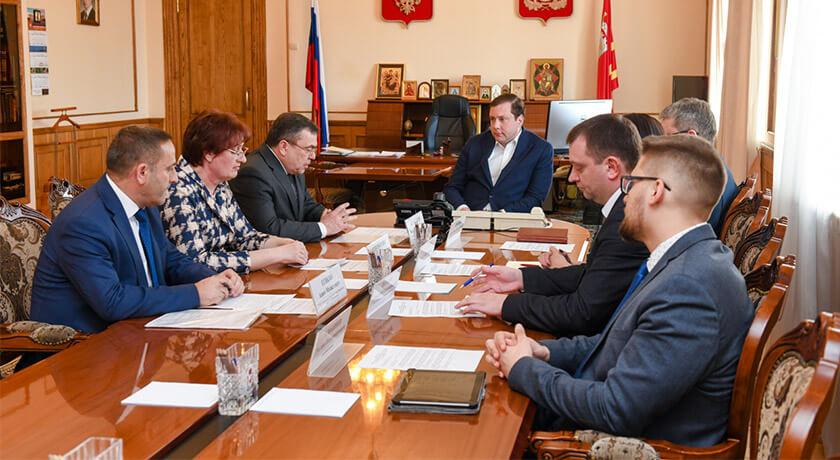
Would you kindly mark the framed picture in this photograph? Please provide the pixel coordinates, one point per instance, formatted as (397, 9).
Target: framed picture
(424, 90)
(517, 87)
(439, 88)
(409, 90)
(470, 85)
(475, 113)
(455, 90)
(389, 78)
(484, 93)
(505, 89)
(495, 91)
(545, 79)
(87, 12)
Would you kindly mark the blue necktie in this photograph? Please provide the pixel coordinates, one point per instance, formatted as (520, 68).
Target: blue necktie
(637, 280)
(146, 239)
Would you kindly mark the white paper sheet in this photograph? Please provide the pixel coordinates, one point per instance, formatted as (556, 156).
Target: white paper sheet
(429, 309)
(350, 283)
(520, 264)
(402, 358)
(448, 269)
(466, 255)
(355, 266)
(296, 306)
(369, 234)
(253, 302)
(206, 319)
(431, 288)
(321, 264)
(395, 251)
(295, 401)
(582, 254)
(536, 247)
(174, 394)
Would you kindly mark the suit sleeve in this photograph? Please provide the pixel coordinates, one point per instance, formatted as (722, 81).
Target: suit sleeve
(454, 188)
(90, 268)
(254, 194)
(538, 186)
(646, 379)
(312, 210)
(568, 353)
(552, 281)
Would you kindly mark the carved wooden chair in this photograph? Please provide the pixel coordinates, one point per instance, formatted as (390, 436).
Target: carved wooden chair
(22, 232)
(595, 444)
(745, 218)
(762, 278)
(62, 192)
(761, 246)
(329, 196)
(746, 190)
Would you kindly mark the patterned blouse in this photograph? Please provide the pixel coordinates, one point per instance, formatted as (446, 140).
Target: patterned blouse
(209, 228)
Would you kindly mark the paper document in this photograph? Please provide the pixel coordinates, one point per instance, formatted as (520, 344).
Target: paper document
(173, 394)
(437, 359)
(295, 401)
(466, 255)
(253, 302)
(519, 264)
(350, 283)
(296, 306)
(395, 251)
(207, 319)
(370, 234)
(537, 247)
(448, 269)
(582, 254)
(321, 264)
(419, 286)
(355, 266)
(429, 309)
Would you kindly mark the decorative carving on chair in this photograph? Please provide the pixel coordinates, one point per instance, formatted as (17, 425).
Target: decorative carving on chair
(750, 251)
(22, 233)
(738, 221)
(621, 448)
(61, 193)
(788, 381)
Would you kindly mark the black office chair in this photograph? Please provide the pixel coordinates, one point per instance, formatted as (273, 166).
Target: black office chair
(450, 119)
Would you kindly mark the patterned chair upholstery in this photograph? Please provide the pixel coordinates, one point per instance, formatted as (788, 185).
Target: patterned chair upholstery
(8, 369)
(746, 190)
(760, 246)
(745, 218)
(762, 278)
(794, 390)
(61, 193)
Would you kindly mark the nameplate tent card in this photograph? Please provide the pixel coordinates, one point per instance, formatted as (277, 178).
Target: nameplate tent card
(411, 225)
(383, 242)
(329, 353)
(453, 238)
(424, 256)
(381, 296)
(328, 289)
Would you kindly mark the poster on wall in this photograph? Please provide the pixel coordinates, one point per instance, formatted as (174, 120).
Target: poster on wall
(39, 68)
(545, 9)
(406, 10)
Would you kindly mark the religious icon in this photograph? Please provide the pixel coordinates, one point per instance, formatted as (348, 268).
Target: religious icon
(546, 79)
(389, 78)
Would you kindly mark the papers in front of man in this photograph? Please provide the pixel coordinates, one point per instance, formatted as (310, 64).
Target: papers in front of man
(426, 288)
(537, 247)
(403, 358)
(429, 309)
(294, 401)
(253, 302)
(370, 234)
(295, 306)
(465, 255)
(207, 319)
(174, 394)
(346, 265)
(448, 269)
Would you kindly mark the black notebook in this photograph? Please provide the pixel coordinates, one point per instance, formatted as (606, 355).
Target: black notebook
(439, 391)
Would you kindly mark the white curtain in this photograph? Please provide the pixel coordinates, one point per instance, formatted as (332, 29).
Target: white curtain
(806, 166)
(718, 14)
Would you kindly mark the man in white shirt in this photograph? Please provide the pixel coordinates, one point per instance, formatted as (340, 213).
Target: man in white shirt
(504, 168)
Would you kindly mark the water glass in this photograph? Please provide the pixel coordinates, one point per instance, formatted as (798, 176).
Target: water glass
(237, 376)
(94, 448)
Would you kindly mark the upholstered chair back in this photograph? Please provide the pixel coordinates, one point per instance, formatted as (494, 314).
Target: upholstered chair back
(450, 119)
(61, 193)
(22, 232)
(744, 218)
(760, 246)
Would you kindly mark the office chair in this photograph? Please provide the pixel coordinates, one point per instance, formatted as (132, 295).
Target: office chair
(450, 119)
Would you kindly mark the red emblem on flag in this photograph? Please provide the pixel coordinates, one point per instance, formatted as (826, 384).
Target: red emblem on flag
(406, 10)
(545, 9)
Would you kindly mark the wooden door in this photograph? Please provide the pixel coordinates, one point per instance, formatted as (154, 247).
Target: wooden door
(215, 59)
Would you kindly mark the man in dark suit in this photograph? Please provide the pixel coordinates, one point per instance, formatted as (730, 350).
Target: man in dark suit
(664, 366)
(106, 258)
(504, 168)
(271, 189)
(576, 299)
(88, 12)
(694, 116)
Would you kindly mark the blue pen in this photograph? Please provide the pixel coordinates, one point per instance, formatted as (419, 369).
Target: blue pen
(474, 277)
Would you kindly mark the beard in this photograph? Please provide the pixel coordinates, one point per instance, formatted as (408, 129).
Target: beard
(630, 229)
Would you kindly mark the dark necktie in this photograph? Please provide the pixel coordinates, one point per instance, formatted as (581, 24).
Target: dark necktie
(148, 248)
(294, 188)
(637, 280)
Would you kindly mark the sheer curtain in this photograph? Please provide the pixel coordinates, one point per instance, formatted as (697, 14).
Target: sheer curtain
(717, 48)
(806, 166)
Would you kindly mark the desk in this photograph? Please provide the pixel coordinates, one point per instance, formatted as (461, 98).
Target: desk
(425, 160)
(379, 172)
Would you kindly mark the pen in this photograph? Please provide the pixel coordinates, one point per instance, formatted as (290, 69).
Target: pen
(474, 277)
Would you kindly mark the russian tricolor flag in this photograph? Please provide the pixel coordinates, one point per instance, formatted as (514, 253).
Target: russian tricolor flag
(315, 81)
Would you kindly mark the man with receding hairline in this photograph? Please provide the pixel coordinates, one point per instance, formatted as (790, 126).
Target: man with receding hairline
(664, 366)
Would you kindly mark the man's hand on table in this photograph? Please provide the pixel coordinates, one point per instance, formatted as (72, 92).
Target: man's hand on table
(498, 279)
(214, 289)
(505, 349)
(485, 302)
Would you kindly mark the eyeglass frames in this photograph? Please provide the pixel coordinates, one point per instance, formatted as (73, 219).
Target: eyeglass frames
(627, 182)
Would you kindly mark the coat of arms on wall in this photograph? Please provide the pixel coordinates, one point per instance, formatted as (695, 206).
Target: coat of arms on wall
(545, 9)
(406, 10)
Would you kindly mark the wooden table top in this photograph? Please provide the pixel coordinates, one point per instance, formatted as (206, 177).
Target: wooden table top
(425, 160)
(373, 171)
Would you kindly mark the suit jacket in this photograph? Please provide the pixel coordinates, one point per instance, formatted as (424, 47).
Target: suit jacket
(665, 365)
(579, 299)
(264, 192)
(90, 273)
(730, 190)
(522, 185)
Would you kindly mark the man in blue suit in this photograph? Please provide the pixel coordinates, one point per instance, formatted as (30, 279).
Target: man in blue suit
(106, 258)
(664, 366)
(504, 168)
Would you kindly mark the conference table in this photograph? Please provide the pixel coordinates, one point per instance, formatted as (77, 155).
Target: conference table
(59, 402)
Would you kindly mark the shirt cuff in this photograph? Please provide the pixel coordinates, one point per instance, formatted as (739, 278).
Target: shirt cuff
(463, 207)
(323, 230)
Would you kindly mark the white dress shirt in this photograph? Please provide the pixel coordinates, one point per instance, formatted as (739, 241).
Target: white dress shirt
(606, 209)
(499, 158)
(131, 208)
(321, 226)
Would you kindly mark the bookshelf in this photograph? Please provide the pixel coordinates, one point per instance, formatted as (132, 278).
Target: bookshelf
(14, 161)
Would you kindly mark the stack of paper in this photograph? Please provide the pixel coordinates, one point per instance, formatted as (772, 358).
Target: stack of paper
(536, 247)
(448, 269)
(306, 402)
(296, 306)
(428, 309)
(465, 255)
(253, 302)
(421, 287)
(207, 319)
(402, 358)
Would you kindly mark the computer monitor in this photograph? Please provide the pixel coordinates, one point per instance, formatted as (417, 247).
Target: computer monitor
(565, 115)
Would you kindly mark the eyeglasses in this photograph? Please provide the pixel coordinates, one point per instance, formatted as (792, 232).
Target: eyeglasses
(238, 151)
(308, 150)
(627, 182)
(685, 131)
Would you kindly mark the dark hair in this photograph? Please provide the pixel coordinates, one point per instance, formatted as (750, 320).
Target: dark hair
(692, 113)
(692, 163)
(288, 127)
(646, 124)
(212, 131)
(609, 135)
(135, 144)
(517, 107)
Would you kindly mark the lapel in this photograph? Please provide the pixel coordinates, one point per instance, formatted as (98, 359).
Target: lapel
(489, 143)
(609, 222)
(282, 178)
(114, 207)
(522, 149)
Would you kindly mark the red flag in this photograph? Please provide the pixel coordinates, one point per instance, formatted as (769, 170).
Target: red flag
(607, 72)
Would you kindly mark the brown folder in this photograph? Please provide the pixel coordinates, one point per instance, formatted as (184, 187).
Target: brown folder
(542, 235)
